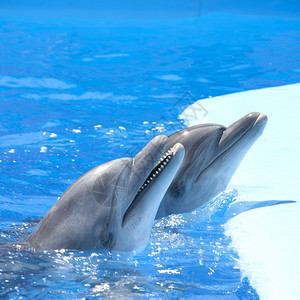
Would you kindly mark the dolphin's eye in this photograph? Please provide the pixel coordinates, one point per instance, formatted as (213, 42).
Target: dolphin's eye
(177, 190)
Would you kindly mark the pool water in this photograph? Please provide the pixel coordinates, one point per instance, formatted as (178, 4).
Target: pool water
(76, 93)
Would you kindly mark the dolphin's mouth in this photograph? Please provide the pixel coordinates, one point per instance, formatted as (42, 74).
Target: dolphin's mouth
(251, 123)
(160, 165)
(154, 174)
(251, 126)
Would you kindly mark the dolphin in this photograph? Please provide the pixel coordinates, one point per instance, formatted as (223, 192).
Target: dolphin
(113, 206)
(212, 154)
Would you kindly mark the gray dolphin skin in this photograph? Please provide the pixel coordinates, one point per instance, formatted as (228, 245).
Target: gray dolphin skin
(212, 154)
(113, 206)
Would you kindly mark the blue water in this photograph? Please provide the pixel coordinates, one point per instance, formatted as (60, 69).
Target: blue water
(76, 93)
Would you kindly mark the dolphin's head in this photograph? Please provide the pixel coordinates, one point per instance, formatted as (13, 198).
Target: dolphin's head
(213, 153)
(130, 190)
(113, 206)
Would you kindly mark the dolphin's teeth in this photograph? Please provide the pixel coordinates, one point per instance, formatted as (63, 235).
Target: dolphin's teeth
(158, 168)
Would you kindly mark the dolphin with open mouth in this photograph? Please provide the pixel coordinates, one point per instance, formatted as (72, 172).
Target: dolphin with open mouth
(212, 155)
(113, 206)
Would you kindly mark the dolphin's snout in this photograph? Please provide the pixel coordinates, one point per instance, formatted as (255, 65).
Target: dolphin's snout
(178, 151)
(145, 160)
(254, 121)
(262, 119)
